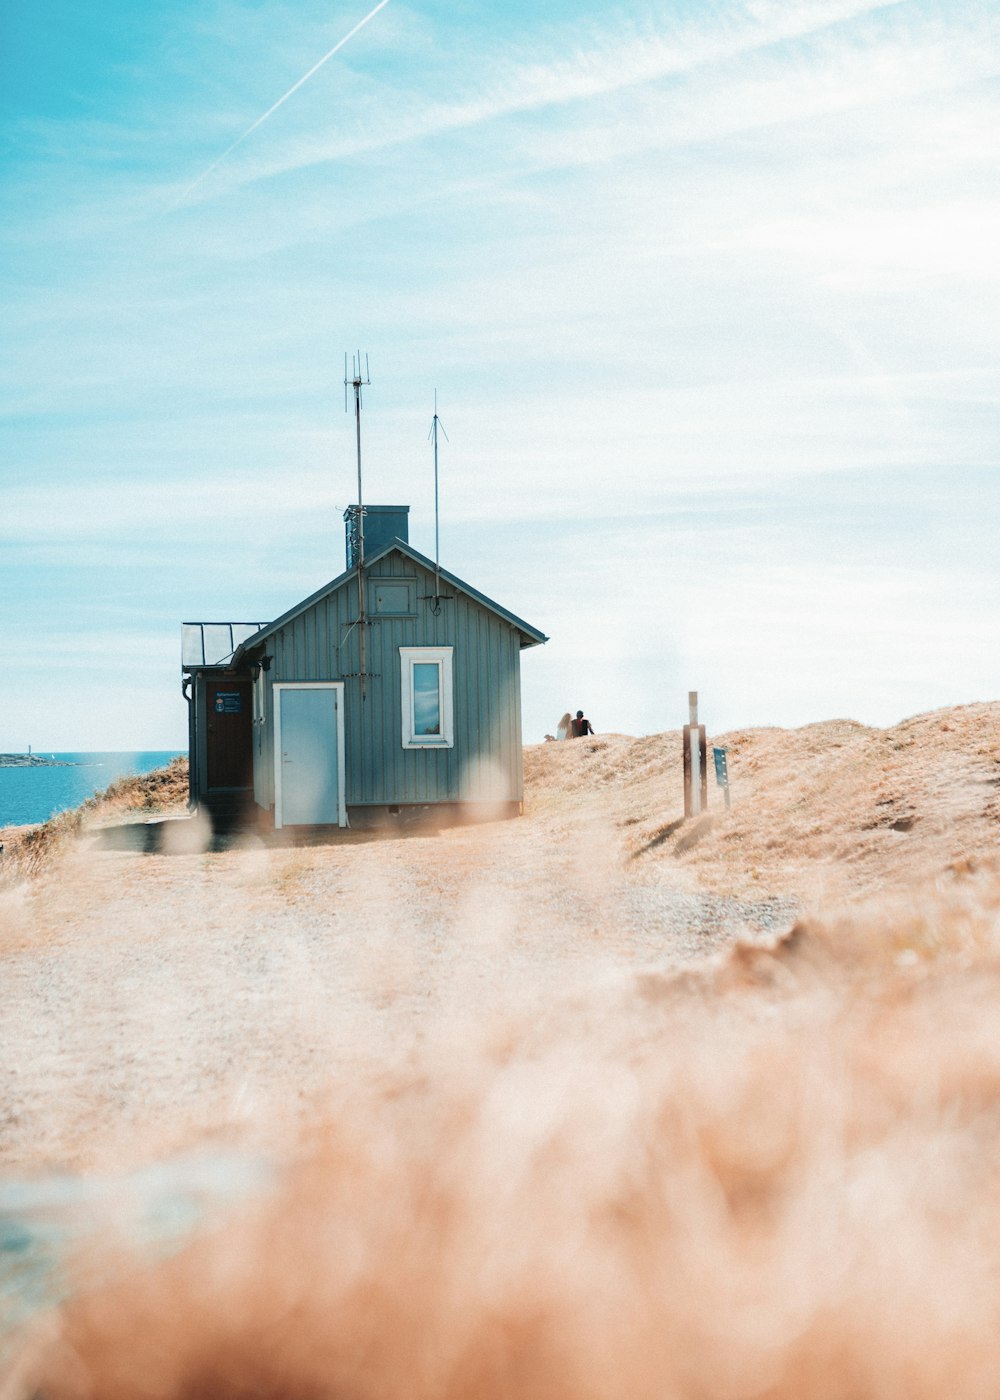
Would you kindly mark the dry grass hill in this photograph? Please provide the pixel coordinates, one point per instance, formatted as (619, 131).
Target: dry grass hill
(829, 812)
(596, 1105)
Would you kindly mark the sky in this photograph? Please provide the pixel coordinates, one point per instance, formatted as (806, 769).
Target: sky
(709, 292)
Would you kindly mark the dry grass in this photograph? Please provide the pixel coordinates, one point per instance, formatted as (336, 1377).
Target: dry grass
(829, 812)
(30, 849)
(771, 1177)
(776, 1179)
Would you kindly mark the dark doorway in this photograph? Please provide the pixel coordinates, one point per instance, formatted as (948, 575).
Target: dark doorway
(230, 734)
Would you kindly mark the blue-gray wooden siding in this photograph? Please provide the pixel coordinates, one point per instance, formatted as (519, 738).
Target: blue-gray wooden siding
(486, 762)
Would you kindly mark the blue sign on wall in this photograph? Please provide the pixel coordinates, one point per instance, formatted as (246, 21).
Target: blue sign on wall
(228, 702)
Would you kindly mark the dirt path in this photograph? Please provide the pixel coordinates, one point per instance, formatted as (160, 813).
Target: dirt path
(421, 1096)
(149, 999)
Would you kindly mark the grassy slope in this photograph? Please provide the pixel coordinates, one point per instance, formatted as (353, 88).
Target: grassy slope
(828, 812)
(774, 1176)
(831, 811)
(148, 794)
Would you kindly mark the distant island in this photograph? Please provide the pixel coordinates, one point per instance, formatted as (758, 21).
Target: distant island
(32, 760)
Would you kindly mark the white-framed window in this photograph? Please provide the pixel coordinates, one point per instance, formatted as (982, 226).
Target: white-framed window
(426, 695)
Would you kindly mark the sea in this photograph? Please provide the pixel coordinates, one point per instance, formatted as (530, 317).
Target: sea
(34, 794)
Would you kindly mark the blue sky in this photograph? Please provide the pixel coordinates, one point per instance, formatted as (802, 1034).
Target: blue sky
(709, 293)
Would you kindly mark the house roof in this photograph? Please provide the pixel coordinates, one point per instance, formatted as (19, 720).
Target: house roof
(530, 636)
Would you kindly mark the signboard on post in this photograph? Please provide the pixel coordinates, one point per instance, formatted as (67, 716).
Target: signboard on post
(722, 771)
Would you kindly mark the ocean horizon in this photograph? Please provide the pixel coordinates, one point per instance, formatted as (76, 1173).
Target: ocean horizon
(35, 793)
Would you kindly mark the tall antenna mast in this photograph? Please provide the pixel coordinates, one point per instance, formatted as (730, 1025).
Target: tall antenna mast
(433, 434)
(357, 381)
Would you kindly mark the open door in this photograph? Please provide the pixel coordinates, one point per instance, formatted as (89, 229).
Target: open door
(229, 755)
(309, 754)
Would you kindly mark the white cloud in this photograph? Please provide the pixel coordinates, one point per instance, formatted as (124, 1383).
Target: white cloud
(177, 507)
(511, 84)
(655, 268)
(891, 247)
(761, 638)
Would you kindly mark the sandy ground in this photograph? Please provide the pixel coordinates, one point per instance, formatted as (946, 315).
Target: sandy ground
(560, 1107)
(149, 998)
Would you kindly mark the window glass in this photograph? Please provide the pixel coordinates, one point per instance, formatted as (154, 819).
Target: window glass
(218, 642)
(426, 698)
(192, 646)
(427, 706)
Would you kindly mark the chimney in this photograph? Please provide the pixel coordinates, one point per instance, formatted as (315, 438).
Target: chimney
(383, 524)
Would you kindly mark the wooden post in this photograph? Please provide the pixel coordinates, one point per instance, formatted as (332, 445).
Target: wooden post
(695, 755)
(686, 755)
(695, 765)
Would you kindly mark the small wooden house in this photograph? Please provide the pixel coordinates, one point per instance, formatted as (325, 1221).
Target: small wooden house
(354, 705)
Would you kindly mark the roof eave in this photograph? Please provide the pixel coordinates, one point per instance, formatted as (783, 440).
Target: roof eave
(530, 636)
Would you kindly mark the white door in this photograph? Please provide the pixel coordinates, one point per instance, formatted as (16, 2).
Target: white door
(309, 755)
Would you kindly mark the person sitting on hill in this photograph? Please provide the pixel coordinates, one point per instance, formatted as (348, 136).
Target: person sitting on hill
(581, 726)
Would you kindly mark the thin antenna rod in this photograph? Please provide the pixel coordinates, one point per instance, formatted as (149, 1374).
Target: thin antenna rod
(436, 423)
(356, 382)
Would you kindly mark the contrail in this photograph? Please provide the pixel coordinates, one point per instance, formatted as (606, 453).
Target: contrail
(281, 100)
